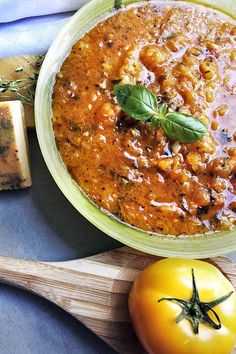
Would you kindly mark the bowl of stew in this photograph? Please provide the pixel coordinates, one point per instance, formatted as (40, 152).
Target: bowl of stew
(130, 179)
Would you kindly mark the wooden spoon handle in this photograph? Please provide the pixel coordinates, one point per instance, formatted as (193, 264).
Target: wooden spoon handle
(90, 290)
(55, 280)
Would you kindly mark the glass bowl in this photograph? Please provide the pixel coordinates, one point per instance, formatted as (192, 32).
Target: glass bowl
(201, 246)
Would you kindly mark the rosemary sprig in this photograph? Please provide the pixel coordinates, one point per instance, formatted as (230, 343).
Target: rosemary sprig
(23, 88)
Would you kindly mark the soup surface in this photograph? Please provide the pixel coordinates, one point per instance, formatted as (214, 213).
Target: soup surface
(186, 55)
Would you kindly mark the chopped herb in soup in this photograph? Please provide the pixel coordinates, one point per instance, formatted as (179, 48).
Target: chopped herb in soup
(173, 172)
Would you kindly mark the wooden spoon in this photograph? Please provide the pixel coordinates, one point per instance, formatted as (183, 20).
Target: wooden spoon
(94, 289)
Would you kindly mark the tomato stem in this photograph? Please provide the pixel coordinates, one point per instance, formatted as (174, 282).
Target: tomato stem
(196, 311)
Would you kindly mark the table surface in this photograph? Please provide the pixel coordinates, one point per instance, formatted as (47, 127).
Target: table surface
(39, 223)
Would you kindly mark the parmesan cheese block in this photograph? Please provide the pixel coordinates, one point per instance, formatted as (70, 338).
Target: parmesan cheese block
(14, 161)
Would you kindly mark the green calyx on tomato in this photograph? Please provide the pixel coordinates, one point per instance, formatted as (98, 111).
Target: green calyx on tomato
(196, 311)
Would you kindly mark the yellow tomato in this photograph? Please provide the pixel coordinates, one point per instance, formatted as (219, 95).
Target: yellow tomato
(172, 326)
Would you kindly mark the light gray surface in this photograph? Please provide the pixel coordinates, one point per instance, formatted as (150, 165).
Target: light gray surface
(39, 223)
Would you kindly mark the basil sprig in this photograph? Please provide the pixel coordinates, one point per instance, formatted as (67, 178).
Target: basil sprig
(141, 104)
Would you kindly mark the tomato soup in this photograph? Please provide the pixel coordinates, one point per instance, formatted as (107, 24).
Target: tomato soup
(186, 55)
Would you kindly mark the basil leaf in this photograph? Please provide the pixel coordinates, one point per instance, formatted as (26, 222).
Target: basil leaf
(136, 101)
(183, 127)
(156, 120)
(140, 103)
(163, 109)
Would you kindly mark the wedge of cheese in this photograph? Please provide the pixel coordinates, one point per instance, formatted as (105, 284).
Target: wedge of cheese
(14, 161)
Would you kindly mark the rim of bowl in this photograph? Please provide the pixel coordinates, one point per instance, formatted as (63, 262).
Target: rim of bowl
(200, 246)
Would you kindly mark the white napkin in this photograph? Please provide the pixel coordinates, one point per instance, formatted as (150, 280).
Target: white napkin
(11, 10)
(36, 23)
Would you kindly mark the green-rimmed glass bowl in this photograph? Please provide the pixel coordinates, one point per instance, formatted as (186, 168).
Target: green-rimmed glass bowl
(193, 246)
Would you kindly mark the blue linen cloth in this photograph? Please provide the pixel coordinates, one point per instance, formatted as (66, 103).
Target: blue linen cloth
(29, 26)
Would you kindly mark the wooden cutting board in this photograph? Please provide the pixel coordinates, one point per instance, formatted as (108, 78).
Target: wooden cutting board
(7, 70)
(94, 290)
